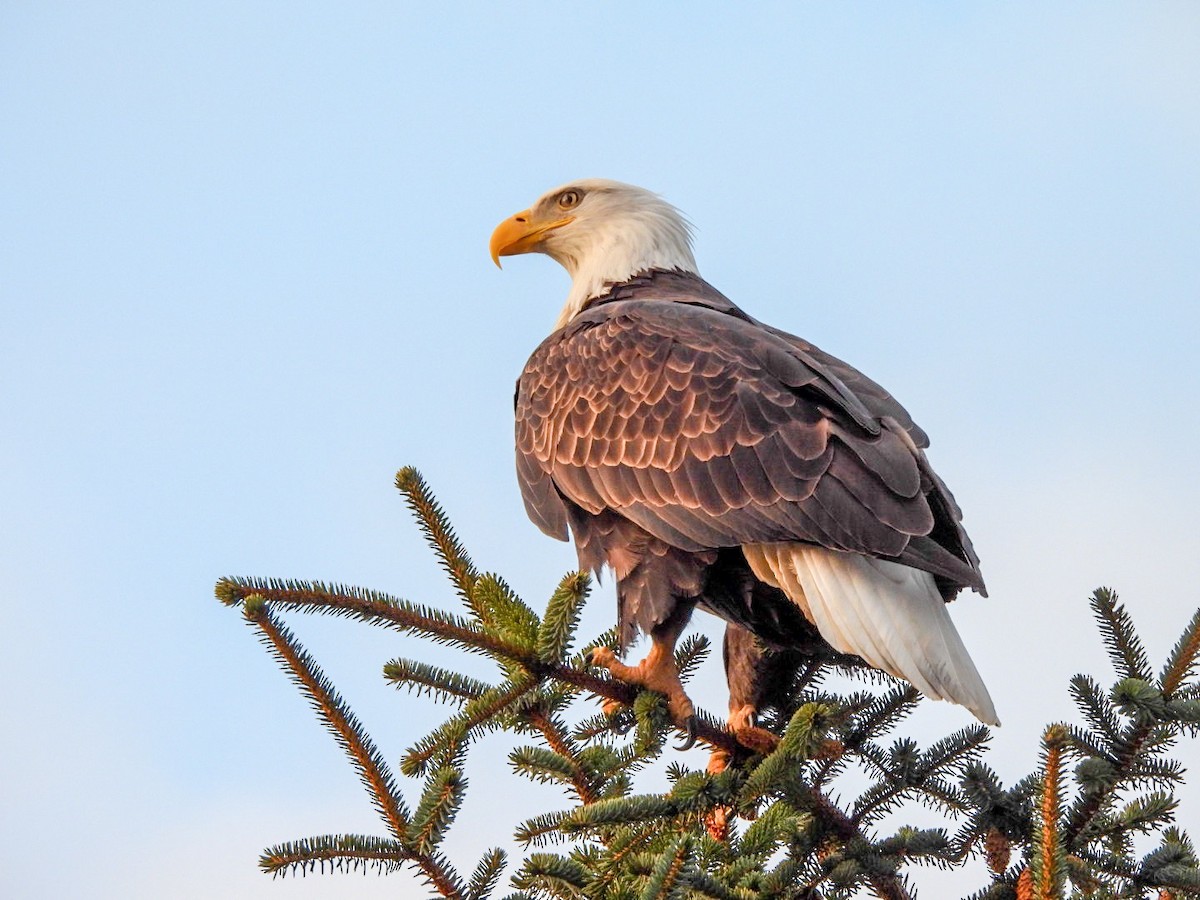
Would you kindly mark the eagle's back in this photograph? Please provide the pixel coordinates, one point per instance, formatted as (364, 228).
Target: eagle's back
(665, 403)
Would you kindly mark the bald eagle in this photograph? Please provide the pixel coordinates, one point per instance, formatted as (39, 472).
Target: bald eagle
(712, 461)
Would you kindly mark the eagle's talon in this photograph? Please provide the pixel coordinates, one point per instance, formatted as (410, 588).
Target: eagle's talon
(600, 657)
(689, 734)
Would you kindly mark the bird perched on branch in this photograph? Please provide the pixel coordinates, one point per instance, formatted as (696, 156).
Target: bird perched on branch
(713, 461)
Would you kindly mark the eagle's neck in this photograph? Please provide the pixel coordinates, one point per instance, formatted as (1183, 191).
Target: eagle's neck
(601, 259)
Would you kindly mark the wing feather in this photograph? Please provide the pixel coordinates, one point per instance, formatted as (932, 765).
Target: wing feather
(727, 482)
(891, 615)
(887, 456)
(710, 430)
(753, 475)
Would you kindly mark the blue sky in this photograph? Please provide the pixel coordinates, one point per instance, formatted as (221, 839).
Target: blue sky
(244, 279)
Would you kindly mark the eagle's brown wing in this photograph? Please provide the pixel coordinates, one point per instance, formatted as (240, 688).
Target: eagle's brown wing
(710, 430)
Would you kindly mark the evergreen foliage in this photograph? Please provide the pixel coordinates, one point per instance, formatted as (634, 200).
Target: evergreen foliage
(767, 825)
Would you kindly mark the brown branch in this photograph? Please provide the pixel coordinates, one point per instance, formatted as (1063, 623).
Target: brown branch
(622, 692)
(1025, 885)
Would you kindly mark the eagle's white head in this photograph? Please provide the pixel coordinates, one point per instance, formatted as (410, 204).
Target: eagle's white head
(602, 232)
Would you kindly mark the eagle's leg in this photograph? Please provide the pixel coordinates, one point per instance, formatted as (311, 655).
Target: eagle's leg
(751, 670)
(749, 674)
(657, 672)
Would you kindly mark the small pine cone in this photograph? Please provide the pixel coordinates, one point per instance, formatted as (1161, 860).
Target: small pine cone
(1025, 885)
(997, 849)
(717, 823)
(1082, 876)
(830, 749)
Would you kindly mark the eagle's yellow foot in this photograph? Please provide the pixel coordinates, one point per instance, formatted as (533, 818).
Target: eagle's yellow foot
(611, 707)
(749, 735)
(741, 726)
(657, 672)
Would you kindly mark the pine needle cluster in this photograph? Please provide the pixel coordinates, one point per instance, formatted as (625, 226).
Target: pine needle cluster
(767, 825)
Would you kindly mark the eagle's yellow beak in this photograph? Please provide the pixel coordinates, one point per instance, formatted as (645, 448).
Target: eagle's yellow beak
(522, 233)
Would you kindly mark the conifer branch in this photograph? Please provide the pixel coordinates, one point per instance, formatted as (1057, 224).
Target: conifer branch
(542, 829)
(506, 613)
(341, 853)
(1181, 664)
(447, 741)
(338, 718)
(1090, 699)
(1047, 871)
(439, 804)
(446, 685)
(690, 653)
(369, 606)
(1116, 627)
(621, 848)
(1129, 750)
(562, 617)
(558, 875)
(486, 875)
(372, 769)
(560, 744)
(686, 843)
(666, 881)
(436, 526)
(440, 626)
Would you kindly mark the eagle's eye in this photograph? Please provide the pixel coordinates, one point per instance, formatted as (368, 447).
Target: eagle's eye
(569, 199)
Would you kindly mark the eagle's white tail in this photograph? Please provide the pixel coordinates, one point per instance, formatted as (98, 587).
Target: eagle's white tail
(890, 615)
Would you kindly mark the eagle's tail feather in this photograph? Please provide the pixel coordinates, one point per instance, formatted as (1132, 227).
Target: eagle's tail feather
(889, 614)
